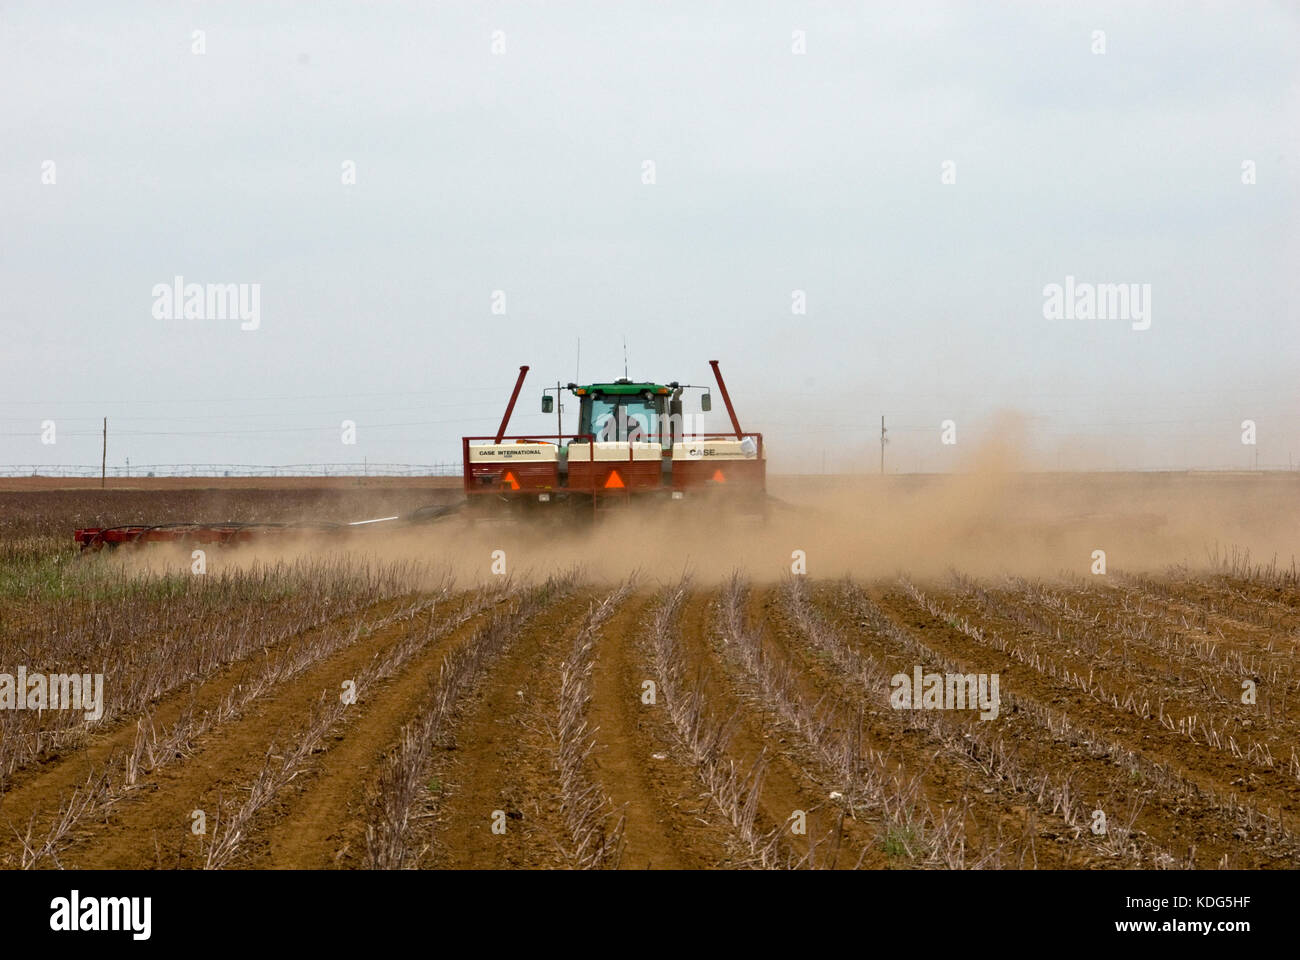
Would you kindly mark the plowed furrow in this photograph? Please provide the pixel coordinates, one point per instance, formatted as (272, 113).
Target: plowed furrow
(1131, 657)
(1004, 824)
(667, 822)
(153, 825)
(1209, 674)
(1173, 633)
(54, 774)
(1240, 603)
(1217, 738)
(494, 796)
(318, 820)
(795, 801)
(146, 668)
(47, 806)
(1178, 799)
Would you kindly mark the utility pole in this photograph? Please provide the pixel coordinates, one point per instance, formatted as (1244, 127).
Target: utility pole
(559, 414)
(103, 457)
(882, 444)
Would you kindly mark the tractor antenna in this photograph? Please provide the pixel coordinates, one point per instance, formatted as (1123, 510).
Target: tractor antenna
(577, 364)
(625, 356)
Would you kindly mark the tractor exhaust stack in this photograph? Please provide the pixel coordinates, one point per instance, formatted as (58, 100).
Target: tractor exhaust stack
(726, 397)
(510, 407)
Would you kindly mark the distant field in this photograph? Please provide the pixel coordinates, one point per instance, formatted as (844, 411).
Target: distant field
(222, 483)
(55, 507)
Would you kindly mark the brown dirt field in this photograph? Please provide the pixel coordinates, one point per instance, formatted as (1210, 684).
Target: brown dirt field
(151, 826)
(38, 789)
(994, 810)
(503, 758)
(789, 783)
(669, 823)
(1119, 694)
(35, 506)
(1177, 822)
(319, 822)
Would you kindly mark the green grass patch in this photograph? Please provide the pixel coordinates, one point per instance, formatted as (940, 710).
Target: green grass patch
(899, 842)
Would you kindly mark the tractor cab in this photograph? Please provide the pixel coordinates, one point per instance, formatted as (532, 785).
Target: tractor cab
(628, 412)
(625, 412)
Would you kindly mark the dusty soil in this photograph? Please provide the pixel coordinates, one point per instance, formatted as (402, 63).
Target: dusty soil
(1177, 799)
(1147, 718)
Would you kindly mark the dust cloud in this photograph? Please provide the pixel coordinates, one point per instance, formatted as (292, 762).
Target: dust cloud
(993, 518)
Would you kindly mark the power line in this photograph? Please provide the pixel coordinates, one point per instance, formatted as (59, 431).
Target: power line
(362, 468)
(320, 396)
(225, 433)
(249, 416)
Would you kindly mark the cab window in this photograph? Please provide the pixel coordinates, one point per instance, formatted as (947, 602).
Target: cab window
(623, 419)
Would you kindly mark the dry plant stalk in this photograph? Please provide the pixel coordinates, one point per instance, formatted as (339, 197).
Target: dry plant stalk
(401, 782)
(705, 738)
(329, 712)
(595, 843)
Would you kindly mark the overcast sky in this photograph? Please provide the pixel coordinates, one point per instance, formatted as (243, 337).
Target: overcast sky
(504, 147)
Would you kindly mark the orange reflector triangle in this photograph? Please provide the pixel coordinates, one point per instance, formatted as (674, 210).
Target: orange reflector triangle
(509, 480)
(614, 481)
(718, 477)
